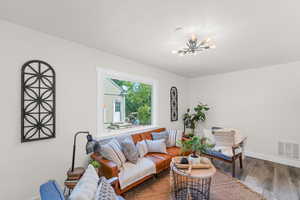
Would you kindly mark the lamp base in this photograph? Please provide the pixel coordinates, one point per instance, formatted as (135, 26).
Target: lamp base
(76, 174)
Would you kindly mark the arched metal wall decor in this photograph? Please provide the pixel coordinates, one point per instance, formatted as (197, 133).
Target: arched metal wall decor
(38, 101)
(174, 103)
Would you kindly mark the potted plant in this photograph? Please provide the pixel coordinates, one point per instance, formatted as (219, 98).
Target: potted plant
(95, 164)
(195, 145)
(191, 120)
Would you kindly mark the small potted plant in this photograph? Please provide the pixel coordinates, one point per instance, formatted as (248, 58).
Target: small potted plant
(95, 164)
(191, 120)
(195, 145)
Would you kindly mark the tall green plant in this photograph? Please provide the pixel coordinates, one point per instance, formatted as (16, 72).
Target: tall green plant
(191, 120)
(195, 145)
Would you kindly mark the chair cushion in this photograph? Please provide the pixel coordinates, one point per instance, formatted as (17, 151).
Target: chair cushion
(224, 137)
(227, 150)
(131, 173)
(218, 155)
(209, 135)
(51, 191)
(174, 151)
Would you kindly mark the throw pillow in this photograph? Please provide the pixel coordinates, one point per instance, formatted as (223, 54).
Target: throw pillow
(174, 136)
(142, 148)
(130, 151)
(157, 146)
(112, 151)
(160, 135)
(105, 191)
(208, 134)
(86, 188)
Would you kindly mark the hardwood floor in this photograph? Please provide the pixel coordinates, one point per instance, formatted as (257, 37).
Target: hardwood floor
(274, 181)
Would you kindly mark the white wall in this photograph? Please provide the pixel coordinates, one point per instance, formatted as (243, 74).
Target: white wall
(263, 103)
(25, 166)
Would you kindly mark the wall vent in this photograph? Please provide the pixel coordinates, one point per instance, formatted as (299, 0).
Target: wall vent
(288, 150)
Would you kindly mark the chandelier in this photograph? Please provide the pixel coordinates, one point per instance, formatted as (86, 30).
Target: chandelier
(193, 46)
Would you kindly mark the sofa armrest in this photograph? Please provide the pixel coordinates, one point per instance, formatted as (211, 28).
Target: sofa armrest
(108, 168)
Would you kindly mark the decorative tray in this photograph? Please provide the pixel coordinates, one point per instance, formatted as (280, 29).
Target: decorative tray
(204, 164)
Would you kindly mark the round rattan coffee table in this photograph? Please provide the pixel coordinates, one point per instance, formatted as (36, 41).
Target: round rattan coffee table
(191, 184)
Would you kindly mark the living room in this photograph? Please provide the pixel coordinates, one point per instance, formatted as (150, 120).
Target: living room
(244, 67)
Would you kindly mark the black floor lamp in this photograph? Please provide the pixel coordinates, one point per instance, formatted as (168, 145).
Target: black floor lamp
(90, 145)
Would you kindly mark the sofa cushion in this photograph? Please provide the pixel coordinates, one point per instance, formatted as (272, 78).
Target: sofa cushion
(142, 148)
(158, 146)
(130, 151)
(131, 173)
(160, 135)
(174, 136)
(174, 151)
(160, 163)
(165, 157)
(112, 151)
(86, 188)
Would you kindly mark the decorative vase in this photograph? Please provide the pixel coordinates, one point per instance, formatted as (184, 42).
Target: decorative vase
(194, 160)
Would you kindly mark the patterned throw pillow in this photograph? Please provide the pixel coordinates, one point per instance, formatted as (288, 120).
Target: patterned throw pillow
(142, 148)
(130, 151)
(157, 146)
(112, 151)
(105, 191)
(174, 136)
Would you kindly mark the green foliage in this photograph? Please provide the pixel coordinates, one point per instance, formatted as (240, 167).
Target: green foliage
(95, 164)
(138, 100)
(191, 120)
(144, 114)
(195, 144)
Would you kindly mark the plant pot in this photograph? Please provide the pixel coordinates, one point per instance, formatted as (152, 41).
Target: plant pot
(194, 160)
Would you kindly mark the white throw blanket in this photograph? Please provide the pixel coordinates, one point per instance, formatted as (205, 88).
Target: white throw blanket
(131, 173)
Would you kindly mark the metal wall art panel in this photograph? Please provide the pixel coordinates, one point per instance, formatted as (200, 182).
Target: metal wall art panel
(38, 101)
(174, 103)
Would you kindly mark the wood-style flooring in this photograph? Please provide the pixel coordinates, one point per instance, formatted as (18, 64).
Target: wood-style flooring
(274, 181)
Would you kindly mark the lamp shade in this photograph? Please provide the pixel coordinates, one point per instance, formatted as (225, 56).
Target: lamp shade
(90, 145)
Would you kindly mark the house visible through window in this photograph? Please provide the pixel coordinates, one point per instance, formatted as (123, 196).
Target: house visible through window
(127, 104)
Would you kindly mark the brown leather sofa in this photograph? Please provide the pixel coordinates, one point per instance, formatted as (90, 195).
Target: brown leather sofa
(162, 161)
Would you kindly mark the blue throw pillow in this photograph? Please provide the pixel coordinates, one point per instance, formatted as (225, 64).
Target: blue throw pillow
(51, 191)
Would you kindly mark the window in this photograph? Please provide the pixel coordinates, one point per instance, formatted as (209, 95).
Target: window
(125, 103)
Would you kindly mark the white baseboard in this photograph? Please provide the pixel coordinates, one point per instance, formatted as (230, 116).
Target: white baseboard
(276, 159)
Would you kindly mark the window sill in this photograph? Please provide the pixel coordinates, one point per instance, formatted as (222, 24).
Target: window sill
(128, 131)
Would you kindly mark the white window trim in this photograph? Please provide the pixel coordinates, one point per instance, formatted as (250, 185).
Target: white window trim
(101, 74)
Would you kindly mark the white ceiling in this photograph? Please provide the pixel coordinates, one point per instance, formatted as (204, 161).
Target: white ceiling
(248, 34)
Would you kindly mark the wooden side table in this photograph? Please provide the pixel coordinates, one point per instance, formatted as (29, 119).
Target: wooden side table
(73, 178)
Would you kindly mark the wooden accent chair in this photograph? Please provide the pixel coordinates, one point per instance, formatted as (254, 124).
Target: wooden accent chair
(228, 148)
